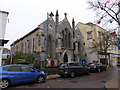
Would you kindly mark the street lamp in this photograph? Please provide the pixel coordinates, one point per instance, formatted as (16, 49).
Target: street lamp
(3, 19)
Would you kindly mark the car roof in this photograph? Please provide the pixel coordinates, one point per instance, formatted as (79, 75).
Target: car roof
(95, 63)
(72, 62)
(17, 65)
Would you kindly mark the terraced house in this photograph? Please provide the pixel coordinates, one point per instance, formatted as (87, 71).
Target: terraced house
(52, 39)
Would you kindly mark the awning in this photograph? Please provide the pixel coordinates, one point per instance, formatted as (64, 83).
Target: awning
(2, 42)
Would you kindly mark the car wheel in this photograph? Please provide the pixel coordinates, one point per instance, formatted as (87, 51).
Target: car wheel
(105, 69)
(4, 83)
(40, 79)
(87, 72)
(72, 74)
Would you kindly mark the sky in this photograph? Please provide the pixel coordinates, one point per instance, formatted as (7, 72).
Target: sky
(26, 15)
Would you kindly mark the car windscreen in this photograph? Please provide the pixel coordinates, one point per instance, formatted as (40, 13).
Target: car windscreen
(64, 65)
(74, 64)
(91, 64)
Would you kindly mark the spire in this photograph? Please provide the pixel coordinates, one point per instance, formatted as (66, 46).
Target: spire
(73, 23)
(57, 13)
(57, 17)
(73, 26)
(65, 15)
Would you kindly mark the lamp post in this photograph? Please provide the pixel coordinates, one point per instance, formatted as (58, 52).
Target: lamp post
(3, 19)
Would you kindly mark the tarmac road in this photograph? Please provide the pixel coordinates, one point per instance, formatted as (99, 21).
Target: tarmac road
(94, 80)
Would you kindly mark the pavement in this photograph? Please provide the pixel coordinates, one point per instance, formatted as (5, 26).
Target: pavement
(53, 76)
(113, 83)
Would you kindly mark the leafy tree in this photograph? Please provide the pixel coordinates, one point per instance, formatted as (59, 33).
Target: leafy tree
(29, 58)
(23, 58)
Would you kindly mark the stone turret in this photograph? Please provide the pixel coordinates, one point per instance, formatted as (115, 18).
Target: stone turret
(73, 26)
(57, 17)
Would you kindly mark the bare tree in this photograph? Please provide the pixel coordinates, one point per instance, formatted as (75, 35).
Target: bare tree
(104, 42)
(107, 10)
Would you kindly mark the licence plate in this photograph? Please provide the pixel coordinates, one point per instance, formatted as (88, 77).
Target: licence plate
(61, 70)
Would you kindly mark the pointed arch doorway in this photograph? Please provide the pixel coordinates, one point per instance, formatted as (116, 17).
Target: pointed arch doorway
(65, 58)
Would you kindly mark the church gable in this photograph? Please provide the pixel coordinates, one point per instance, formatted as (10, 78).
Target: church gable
(64, 24)
(48, 25)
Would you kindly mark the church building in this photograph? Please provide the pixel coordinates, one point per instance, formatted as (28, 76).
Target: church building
(52, 39)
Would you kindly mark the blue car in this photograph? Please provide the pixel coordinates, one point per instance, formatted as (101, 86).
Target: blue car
(18, 74)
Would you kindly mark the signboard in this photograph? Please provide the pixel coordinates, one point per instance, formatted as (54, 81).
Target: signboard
(52, 63)
(82, 61)
(9, 52)
(119, 46)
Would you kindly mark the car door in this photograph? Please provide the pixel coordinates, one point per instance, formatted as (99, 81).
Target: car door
(77, 68)
(30, 74)
(15, 74)
(81, 69)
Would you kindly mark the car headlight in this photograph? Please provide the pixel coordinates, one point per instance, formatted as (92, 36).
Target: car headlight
(42, 72)
(66, 72)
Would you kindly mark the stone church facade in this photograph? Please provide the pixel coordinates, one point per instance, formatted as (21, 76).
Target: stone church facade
(52, 39)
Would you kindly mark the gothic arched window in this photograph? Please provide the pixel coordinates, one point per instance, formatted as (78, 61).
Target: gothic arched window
(62, 40)
(66, 38)
(79, 46)
(69, 40)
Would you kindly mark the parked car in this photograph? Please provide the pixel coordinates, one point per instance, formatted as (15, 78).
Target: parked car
(19, 74)
(95, 66)
(72, 69)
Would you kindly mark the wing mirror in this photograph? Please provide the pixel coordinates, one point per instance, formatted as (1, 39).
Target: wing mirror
(32, 70)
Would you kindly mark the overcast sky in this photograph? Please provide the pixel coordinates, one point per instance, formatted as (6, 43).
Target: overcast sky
(26, 15)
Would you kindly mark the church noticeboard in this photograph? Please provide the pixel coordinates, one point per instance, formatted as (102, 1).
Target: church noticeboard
(52, 63)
